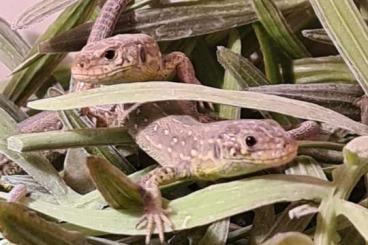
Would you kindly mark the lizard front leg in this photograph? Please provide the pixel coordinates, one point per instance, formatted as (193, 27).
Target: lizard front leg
(180, 64)
(102, 116)
(155, 214)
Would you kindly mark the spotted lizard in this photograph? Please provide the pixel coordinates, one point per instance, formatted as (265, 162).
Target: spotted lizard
(124, 58)
(185, 148)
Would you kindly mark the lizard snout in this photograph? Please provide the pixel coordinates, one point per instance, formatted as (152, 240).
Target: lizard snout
(80, 63)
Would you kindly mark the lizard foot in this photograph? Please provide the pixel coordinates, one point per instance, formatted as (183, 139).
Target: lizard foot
(205, 106)
(155, 218)
(101, 115)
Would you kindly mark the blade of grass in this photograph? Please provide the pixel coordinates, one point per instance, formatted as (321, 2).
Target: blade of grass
(23, 226)
(289, 238)
(72, 120)
(318, 35)
(357, 215)
(172, 22)
(39, 11)
(152, 91)
(13, 48)
(34, 164)
(349, 33)
(191, 211)
(116, 188)
(321, 69)
(25, 83)
(279, 30)
(68, 139)
(269, 52)
(231, 112)
(345, 178)
(216, 233)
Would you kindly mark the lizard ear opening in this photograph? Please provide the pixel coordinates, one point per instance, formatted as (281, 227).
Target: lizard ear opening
(142, 54)
(109, 54)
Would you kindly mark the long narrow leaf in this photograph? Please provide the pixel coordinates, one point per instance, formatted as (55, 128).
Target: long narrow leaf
(172, 22)
(22, 226)
(357, 215)
(152, 91)
(39, 11)
(277, 27)
(13, 48)
(34, 164)
(348, 31)
(231, 112)
(192, 211)
(117, 189)
(25, 83)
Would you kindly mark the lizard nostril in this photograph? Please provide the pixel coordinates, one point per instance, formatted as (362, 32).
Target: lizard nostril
(81, 65)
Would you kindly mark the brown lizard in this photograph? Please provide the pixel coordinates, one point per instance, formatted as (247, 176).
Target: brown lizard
(188, 149)
(124, 58)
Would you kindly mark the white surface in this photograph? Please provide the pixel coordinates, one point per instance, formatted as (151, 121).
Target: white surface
(10, 10)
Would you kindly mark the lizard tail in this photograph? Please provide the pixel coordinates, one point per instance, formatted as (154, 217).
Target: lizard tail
(107, 19)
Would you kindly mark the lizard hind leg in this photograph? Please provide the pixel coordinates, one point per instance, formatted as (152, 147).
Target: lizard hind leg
(155, 215)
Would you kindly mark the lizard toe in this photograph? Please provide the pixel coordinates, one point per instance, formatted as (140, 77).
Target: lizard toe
(152, 220)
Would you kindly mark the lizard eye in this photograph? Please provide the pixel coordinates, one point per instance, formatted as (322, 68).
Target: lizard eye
(250, 141)
(109, 54)
(142, 54)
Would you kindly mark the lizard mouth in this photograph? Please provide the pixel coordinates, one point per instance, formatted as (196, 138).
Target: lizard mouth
(268, 158)
(97, 75)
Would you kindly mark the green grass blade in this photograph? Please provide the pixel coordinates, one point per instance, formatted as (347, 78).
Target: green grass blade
(22, 226)
(270, 54)
(116, 188)
(318, 35)
(349, 33)
(241, 68)
(34, 164)
(357, 215)
(172, 22)
(321, 69)
(25, 83)
(152, 91)
(191, 210)
(39, 11)
(67, 139)
(216, 233)
(13, 48)
(72, 120)
(231, 112)
(277, 27)
(289, 238)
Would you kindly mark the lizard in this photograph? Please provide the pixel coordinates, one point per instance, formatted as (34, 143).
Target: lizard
(124, 58)
(186, 148)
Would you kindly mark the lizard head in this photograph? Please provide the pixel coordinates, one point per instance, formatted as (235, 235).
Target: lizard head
(237, 147)
(259, 141)
(115, 59)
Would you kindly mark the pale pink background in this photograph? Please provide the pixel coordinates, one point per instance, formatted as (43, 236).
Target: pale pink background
(10, 10)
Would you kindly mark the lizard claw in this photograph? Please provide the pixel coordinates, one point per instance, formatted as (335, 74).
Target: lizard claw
(155, 219)
(203, 106)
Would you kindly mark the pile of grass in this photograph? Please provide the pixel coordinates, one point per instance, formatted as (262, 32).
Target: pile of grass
(289, 60)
